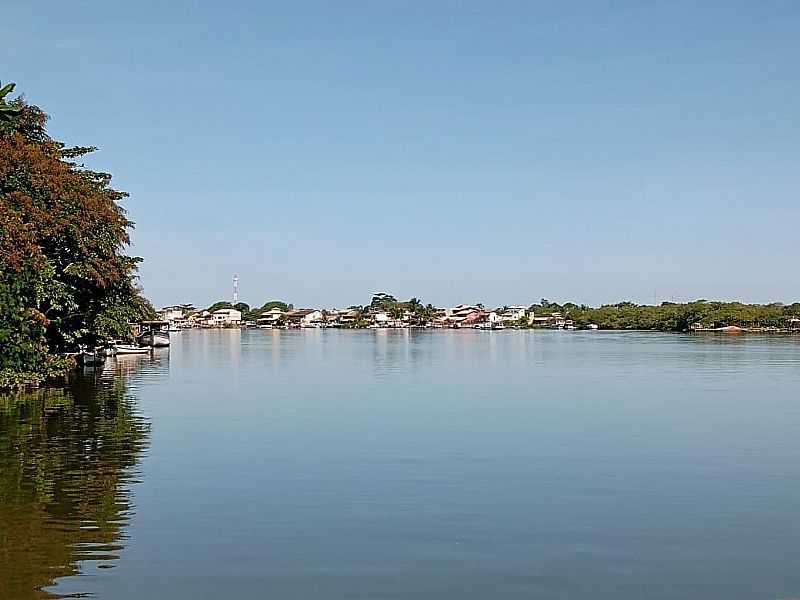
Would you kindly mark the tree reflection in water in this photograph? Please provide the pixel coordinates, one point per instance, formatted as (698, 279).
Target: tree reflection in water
(67, 461)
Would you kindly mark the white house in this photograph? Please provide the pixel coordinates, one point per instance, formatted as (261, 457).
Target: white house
(225, 317)
(272, 316)
(511, 314)
(304, 317)
(171, 313)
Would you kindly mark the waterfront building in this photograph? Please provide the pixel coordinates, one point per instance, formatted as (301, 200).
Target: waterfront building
(511, 314)
(271, 317)
(304, 317)
(226, 317)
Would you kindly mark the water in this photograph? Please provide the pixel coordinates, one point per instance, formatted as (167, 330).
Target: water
(375, 464)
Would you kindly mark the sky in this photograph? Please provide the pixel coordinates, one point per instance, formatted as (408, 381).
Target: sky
(495, 152)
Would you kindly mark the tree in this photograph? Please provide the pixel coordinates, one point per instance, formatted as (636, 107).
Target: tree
(7, 112)
(275, 304)
(219, 305)
(65, 278)
(382, 301)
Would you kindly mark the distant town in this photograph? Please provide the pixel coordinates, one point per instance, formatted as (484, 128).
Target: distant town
(386, 312)
(371, 317)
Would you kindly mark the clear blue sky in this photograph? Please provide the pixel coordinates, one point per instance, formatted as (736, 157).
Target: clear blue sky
(456, 151)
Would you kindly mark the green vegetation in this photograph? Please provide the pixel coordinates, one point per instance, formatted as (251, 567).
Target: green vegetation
(64, 277)
(255, 313)
(248, 313)
(382, 302)
(670, 316)
(7, 111)
(275, 304)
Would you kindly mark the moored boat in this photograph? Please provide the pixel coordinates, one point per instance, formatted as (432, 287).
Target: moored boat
(154, 339)
(154, 334)
(490, 326)
(91, 358)
(124, 349)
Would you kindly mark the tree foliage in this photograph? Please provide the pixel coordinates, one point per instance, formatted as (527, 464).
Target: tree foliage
(65, 278)
(671, 316)
(7, 111)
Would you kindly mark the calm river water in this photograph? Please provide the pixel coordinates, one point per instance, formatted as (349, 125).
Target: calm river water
(405, 464)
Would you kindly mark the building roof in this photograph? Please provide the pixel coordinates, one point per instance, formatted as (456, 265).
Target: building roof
(300, 312)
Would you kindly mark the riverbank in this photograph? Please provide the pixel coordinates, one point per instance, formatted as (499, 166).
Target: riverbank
(385, 311)
(56, 370)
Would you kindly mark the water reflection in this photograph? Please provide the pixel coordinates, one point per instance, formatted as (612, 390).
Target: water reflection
(68, 458)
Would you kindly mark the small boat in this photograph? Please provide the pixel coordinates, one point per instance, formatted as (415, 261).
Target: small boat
(123, 349)
(154, 339)
(91, 358)
(154, 334)
(489, 326)
(173, 328)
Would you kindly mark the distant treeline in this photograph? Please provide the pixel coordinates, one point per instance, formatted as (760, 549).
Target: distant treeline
(671, 316)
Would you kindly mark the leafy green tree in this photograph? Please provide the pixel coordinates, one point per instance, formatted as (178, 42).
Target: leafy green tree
(7, 111)
(275, 304)
(219, 305)
(64, 274)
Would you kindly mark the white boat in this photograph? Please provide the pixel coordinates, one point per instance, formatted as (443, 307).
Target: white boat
(154, 339)
(173, 328)
(123, 349)
(154, 334)
(91, 358)
(489, 326)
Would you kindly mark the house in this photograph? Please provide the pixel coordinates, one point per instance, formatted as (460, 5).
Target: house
(304, 317)
(349, 316)
(176, 315)
(171, 313)
(511, 314)
(273, 316)
(453, 317)
(201, 318)
(381, 319)
(475, 317)
(332, 317)
(226, 317)
(546, 320)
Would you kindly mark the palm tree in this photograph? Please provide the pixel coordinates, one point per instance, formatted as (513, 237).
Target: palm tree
(7, 112)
